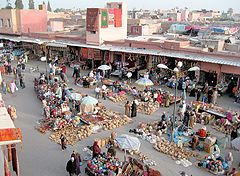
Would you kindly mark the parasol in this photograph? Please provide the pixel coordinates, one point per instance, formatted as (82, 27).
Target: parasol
(104, 67)
(236, 143)
(89, 100)
(75, 96)
(144, 82)
(127, 142)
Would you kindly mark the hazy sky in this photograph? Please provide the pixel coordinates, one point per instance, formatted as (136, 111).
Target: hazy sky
(142, 4)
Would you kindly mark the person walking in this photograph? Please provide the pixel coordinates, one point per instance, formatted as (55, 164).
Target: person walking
(198, 94)
(127, 109)
(215, 96)
(63, 141)
(4, 86)
(19, 71)
(134, 109)
(22, 83)
(104, 87)
(71, 167)
(97, 91)
(12, 86)
(77, 160)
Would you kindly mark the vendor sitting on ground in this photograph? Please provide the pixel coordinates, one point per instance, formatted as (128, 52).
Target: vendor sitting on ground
(194, 142)
(202, 133)
(96, 149)
(135, 92)
(162, 127)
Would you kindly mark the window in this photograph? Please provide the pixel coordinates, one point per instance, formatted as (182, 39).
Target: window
(93, 32)
(1, 23)
(8, 23)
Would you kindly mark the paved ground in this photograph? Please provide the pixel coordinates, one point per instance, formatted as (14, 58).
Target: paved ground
(42, 157)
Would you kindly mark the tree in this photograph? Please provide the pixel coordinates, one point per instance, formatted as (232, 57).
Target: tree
(8, 5)
(230, 11)
(49, 7)
(31, 4)
(59, 10)
(43, 2)
(18, 4)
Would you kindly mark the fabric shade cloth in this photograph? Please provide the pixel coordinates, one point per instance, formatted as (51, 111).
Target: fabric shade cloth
(75, 96)
(86, 108)
(104, 67)
(144, 82)
(127, 142)
(236, 143)
(89, 100)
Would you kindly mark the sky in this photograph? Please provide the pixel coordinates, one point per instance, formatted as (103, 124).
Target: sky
(141, 4)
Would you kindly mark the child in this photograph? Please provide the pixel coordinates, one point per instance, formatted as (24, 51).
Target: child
(4, 87)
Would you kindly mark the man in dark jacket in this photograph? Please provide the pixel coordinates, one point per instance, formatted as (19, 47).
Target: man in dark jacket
(71, 167)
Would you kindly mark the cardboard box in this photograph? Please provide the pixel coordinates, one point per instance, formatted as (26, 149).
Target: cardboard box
(210, 140)
(207, 147)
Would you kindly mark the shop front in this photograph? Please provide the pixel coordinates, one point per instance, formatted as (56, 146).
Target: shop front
(60, 51)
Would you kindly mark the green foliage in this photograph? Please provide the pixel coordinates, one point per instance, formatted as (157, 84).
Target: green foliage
(31, 4)
(57, 10)
(49, 7)
(18, 4)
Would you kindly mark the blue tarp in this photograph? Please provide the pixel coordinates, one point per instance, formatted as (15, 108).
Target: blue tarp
(177, 134)
(17, 53)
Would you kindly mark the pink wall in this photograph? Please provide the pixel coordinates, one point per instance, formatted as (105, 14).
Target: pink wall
(57, 25)
(34, 20)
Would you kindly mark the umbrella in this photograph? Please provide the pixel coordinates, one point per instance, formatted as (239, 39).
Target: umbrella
(104, 67)
(144, 82)
(75, 96)
(236, 143)
(127, 142)
(89, 100)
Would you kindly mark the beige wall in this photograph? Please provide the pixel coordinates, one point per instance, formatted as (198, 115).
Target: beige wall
(51, 15)
(111, 33)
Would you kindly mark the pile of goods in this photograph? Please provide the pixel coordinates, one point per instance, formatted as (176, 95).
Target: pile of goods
(72, 134)
(105, 119)
(133, 167)
(147, 107)
(117, 98)
(102, 165)
(148, 131)
(224, 126)
(175, 152)
(216, 167)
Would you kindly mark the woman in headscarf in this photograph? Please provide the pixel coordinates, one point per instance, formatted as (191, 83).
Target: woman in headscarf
(194, 142)
(134, 109)
(96, 149)
(192, 119)
(167, 103)
(127, 109)
(159, 99)
(77, 160)
(12, 86)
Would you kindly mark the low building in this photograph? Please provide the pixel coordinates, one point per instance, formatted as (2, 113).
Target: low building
(18, 21)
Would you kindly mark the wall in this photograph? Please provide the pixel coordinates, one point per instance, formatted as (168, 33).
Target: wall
(232, 47)
(9, 14)
(51, 15)
(134, 30)
(111, 33)
(34, 20)
(57, 25)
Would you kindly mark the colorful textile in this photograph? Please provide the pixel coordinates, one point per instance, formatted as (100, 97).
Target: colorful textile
(118, 17)
(10, 134)
(92, 19)
(90, 53)
(97, 54)
(104, 13)
(84, 52)
(9, 153)
(110, 16)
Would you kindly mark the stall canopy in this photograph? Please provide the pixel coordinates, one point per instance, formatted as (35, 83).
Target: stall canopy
(8, 133)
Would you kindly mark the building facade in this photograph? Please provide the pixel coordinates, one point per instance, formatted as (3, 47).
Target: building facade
(19, 21)
(107, 24)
